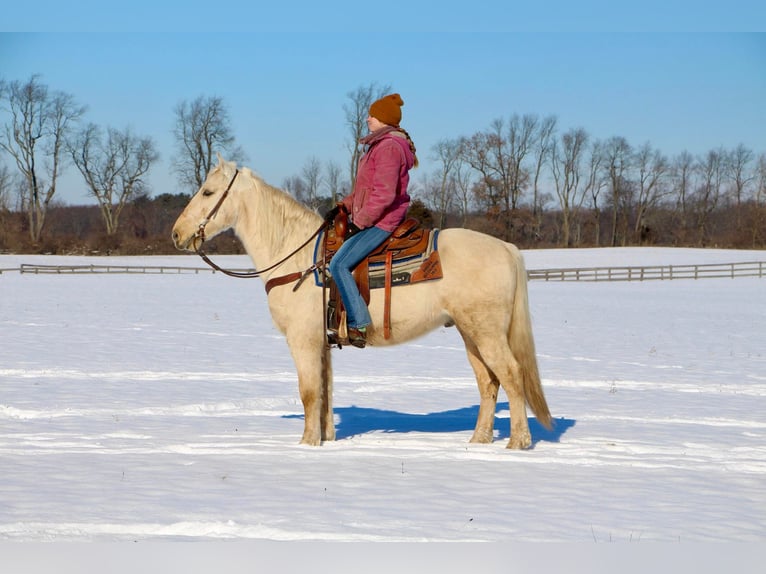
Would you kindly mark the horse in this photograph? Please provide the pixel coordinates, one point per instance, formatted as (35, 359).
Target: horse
(483, 294)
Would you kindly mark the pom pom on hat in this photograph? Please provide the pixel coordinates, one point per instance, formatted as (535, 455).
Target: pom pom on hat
(388, 109)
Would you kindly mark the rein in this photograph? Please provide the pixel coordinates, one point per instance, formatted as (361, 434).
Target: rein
(200, 235)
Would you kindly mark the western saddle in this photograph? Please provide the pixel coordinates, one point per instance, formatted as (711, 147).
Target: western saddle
(411, 248)
(410, 241)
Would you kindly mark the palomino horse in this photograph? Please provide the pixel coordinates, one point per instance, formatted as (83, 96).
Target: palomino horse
(483, 294)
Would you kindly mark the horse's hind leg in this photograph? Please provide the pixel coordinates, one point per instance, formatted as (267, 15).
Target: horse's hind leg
(488, 387)
(496, 354)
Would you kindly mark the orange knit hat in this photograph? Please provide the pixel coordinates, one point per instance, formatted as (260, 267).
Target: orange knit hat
(388, 109)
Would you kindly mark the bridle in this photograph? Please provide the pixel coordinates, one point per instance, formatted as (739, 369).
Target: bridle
(213, 212)
(200, 235)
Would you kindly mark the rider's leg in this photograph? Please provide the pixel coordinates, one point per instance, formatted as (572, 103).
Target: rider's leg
(350, 254)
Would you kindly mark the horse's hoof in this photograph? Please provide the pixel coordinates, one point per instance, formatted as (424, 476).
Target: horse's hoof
(482, 437)
(520, 443)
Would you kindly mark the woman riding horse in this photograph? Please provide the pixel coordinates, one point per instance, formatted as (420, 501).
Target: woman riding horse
(376, 206)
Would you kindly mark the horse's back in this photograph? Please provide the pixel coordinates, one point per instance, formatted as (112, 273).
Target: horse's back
(479, 274)
(473, 256)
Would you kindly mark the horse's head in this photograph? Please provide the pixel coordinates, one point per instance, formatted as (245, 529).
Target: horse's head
(208, 212)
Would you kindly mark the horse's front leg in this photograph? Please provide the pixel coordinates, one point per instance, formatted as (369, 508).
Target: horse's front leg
(326, 417)
(315, 387)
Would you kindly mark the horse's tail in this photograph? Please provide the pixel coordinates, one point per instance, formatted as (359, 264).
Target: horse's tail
(523, 343)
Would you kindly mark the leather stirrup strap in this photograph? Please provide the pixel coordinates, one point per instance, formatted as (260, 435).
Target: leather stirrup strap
(387, 302)
(362, 278)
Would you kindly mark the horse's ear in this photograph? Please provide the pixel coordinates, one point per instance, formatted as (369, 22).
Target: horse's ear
(225, 166)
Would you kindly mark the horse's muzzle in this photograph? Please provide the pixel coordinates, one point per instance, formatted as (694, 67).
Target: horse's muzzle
(181, 244)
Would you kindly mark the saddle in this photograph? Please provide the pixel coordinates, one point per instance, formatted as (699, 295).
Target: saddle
(408, 255)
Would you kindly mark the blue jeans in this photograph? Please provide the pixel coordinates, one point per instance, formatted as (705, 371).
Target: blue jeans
(351, 253)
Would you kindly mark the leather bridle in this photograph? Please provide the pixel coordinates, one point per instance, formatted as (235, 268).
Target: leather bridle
(200, 235)
(213, 212)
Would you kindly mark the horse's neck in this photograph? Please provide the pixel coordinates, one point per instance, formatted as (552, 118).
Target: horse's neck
(271, 226)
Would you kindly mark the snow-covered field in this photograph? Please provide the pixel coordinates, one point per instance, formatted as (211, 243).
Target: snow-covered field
(165, 408)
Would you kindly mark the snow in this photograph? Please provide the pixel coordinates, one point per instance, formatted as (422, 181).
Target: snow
(165, 408)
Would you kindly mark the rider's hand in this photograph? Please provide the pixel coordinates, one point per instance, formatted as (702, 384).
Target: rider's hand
(330, 215)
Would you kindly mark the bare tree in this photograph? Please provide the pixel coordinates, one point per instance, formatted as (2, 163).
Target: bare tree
(738, 168)
(463, 184)
(487, 190)
(617, 163)
(758, 215)
(510, 148)
(6, 182)
(332, 182)
(312, 178)
(202, 129)
(542, 150)
(653, 169)
(760, 178)
(295, 186)
(462, 180)
(40, 122)
(356, 111)
(443, 190)
(708, 194)
(113, 167)
(682, 186)
(522, 135)
(595, 184)
(566, 160)
(499, 155)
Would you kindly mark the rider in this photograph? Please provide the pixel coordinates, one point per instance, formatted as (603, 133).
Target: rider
(376, 206)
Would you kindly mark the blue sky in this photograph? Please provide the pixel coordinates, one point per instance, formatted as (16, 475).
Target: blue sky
(285, 90)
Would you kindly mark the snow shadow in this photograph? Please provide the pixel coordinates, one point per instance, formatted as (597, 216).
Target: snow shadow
(355, 420)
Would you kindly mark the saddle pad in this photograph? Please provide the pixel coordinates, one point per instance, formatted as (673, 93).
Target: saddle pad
(413, 269)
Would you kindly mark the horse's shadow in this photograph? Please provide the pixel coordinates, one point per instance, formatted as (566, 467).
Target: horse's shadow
(355, 420)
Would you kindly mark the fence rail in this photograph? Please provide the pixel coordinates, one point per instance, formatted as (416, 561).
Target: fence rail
(654, 272)
(593, 274)
(131, 269)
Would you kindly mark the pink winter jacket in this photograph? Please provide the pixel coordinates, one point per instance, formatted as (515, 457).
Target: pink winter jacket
(380, 195)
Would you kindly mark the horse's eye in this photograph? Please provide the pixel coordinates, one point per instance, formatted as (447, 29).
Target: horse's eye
(207, 193)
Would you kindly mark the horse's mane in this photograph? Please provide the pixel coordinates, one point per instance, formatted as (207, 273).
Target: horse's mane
(289, 219)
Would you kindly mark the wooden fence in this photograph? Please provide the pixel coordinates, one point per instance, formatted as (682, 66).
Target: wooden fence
(642, 273)
(132, 269)
(654, 272)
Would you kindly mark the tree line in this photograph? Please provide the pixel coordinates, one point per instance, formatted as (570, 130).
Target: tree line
(531, 182)
(521, 179)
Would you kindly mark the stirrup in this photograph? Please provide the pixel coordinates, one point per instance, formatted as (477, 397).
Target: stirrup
(355, 338)
(333, 339)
